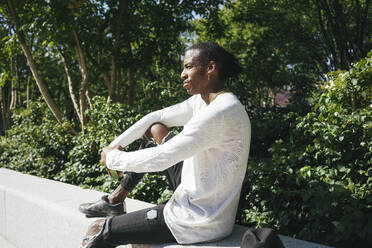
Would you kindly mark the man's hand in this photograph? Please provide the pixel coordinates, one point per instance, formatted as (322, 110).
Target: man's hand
(106, 150)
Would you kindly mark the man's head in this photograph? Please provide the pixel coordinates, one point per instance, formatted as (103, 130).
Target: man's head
(207, 66)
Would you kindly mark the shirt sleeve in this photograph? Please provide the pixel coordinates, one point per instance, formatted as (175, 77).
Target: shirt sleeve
(202, 132)
(176, 115)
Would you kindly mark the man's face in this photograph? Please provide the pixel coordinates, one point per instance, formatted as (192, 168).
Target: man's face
(194, 75)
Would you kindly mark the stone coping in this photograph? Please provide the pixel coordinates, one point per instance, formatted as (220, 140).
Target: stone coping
(5, 243)
(42, 213)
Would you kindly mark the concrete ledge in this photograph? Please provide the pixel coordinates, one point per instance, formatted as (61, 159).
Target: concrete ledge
(37, 212)
(5, 243)
(41, 213)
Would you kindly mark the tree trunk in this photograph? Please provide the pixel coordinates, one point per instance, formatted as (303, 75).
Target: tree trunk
(71, 90)
(28, 93)
(89, 99)
(84, 81)
(119, 97)
(132, 85)
(33, 66)
(130, 76)
(5, 93)
(13, 93)
(112, 80)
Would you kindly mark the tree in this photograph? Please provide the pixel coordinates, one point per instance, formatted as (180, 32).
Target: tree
(79, 49)
(290, 43)
(15, 78)
(33, 66)
(345, 30)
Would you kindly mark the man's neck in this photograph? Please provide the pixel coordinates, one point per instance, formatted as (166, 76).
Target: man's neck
(208, 97)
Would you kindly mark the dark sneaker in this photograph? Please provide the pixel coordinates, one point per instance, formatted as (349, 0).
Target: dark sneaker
(102, 208)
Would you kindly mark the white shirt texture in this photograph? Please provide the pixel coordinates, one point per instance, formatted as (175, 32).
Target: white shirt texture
(214, 145)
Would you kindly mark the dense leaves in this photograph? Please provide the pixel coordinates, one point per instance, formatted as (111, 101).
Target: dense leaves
(309, 170)
(308, 175)
(37, 145)
(316, 181)
(40, 146)
(289, 43)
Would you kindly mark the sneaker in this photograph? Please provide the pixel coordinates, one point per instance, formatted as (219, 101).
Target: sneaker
(102, 208)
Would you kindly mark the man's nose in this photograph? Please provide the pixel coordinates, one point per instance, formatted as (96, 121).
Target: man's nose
(183, 75)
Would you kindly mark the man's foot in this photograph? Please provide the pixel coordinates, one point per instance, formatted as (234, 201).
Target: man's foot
(102, 208)
(93, 238)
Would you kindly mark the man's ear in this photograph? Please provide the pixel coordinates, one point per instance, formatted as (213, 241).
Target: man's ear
(212, 66)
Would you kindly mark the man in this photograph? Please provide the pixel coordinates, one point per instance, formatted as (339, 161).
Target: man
(214, 148)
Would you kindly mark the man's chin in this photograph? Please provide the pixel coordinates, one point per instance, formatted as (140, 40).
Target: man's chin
(189, 91)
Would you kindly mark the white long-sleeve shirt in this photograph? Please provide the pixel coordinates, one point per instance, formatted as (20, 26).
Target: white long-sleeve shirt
(214, 145)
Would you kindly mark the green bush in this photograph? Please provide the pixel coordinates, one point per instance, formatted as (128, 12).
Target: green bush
(269, 125)
(105, 121)
(36, 144)
(308, 174)
(317, 183)
(152, 188)
(39, 145)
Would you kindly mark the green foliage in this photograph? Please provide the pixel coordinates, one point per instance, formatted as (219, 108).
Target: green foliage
(309, 171)
(105, 121)
(162, 93)
(271, 124)
(152, 188)
(316, 184)
(308, 174)
(288, 43)
(36, 144)
(40, 146)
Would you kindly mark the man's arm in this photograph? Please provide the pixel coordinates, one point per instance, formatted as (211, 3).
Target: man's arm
(176, 115)
(106, 150)
(199, 134)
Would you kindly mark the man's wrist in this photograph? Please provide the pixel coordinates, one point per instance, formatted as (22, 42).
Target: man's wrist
(111, 158)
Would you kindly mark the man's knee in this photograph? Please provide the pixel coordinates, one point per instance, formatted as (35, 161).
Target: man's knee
(157, 131)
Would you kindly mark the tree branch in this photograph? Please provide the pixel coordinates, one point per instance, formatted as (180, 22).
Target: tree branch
(70, 88)
(84, 75)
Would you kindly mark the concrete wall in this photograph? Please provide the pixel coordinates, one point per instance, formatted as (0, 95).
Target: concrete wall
(41, 213)
(36, 212)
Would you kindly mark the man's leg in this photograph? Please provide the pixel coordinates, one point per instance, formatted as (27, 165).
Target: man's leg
(145, 226)
(113, 204)
(140, 227)
(129, 180)
(174, 172)
(153, 136)
(160, 133)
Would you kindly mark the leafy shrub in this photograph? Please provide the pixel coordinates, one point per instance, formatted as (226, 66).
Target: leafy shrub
(105, 121)
(317, 184)
(36, 144)
(162, 93)
(269, 125)
(152, 188)
(39, 145)
(308, 174)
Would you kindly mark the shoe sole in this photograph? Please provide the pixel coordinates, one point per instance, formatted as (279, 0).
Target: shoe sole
(96, 215)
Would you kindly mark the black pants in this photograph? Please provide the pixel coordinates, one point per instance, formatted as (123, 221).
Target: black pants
(145, 226)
